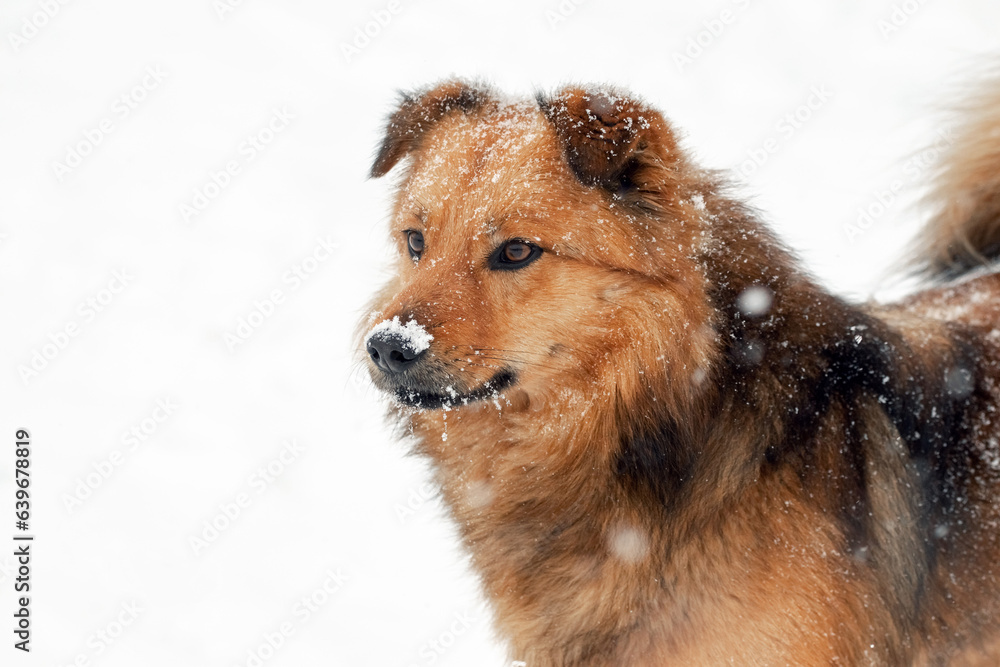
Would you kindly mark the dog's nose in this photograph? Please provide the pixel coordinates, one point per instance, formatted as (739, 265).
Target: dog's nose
(391, 353)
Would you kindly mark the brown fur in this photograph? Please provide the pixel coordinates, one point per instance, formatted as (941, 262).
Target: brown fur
(676, 477)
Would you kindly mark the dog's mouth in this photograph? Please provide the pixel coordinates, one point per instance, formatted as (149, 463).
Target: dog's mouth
(430, 400)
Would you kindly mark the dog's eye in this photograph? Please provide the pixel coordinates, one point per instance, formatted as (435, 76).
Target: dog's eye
(514, 254)
(414, 243)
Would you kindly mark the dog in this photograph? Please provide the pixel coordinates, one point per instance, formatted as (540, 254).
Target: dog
(663, 443)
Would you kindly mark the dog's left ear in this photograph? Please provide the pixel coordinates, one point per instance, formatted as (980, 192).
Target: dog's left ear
(609, 139)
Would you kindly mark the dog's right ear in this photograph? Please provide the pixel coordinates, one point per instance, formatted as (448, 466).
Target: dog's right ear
(419, 111)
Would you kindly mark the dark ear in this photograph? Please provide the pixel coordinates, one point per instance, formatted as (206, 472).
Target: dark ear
(607, 137)
(420, 110)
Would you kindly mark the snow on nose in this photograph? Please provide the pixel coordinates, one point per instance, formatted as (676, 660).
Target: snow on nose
(412, 334)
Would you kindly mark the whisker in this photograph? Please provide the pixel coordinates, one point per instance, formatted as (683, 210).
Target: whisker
(522, 362)
(500, 349)
(472, 363)
(358, 376)
(493, 367)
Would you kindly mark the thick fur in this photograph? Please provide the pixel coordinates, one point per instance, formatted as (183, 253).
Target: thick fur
(665, 444)
(965, 199)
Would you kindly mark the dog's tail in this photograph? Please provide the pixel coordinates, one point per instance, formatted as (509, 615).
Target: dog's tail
(964, 230)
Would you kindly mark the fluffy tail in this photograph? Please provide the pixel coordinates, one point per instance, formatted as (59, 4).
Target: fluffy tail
(964, 230)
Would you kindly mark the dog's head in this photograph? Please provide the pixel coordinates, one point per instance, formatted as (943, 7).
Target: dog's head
(543, 244)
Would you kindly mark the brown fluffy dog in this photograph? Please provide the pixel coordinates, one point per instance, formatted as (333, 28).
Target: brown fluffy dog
(663, 443)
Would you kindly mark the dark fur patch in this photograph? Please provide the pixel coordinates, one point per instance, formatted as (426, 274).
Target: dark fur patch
(813, 353)
(655, 458)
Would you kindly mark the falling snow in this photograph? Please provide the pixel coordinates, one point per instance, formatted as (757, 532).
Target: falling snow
(628, 543)
(755, 301)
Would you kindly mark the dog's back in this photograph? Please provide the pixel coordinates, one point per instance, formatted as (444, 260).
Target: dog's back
(958, 250)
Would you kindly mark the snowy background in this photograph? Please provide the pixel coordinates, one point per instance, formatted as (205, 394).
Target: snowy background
(187, 238)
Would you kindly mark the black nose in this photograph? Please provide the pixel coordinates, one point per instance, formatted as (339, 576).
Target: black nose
(391, 353)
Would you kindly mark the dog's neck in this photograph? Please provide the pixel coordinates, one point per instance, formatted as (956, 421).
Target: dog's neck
(561, 541)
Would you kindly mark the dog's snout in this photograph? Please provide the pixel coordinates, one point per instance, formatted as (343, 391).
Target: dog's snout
(391, 353)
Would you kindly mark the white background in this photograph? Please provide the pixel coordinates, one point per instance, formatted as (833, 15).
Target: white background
(335, 506)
